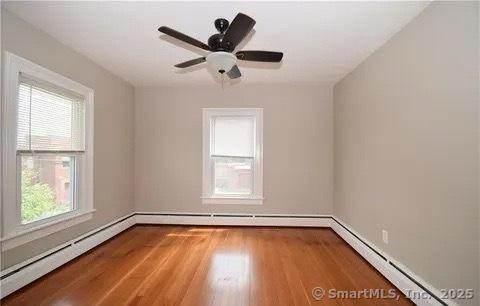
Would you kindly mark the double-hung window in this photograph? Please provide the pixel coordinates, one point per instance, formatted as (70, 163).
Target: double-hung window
(232, 156)
(48, 152)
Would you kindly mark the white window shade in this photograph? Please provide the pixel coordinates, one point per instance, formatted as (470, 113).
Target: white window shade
(49, 118)
(233, 136)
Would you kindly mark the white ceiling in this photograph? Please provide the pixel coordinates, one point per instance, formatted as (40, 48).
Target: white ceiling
(321, 41)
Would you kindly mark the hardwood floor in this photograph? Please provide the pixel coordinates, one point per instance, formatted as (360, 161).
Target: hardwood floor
(188, 265)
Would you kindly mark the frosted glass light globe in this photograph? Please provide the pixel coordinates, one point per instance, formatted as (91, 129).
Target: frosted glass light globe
(221, 61)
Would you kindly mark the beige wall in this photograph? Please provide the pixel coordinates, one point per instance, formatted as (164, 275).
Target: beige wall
(406, 151)
(297, 147)
(113, 172)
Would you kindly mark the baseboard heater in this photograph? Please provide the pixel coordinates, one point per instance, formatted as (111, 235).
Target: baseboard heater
(411, 278)
(296, 217)
(18, 276)
(233, 215)
(418, 284)
(172, 214)
(3, 276)
(360, 239)
(235, 219)
(70, 244)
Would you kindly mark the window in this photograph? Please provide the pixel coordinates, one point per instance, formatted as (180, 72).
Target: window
(48, 152)
(232, 150)
(50, 137)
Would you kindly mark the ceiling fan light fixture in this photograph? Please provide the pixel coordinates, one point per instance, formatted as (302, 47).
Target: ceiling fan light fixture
(223, 44)
(221, 61)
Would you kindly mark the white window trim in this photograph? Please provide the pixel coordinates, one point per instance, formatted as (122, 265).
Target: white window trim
(257, 197)
(12, 233)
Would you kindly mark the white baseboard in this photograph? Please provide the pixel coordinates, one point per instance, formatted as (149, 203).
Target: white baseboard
(234, 219)
(424, 296)
(26, 272)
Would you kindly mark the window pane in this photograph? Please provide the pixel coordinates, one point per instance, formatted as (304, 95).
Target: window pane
(233, 136)
(48, 119)
(233, 176)
(46, 182)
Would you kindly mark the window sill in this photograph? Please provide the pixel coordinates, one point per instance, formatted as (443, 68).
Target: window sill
(241, 201)
(17, 238)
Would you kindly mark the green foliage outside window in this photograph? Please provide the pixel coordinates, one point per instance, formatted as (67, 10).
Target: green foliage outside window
(38, 200)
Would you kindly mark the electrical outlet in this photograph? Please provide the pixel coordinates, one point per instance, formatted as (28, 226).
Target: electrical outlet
(385, 236)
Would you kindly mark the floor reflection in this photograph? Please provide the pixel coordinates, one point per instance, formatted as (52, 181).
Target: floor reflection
(185, 235)
(207, 230)
(230, 271)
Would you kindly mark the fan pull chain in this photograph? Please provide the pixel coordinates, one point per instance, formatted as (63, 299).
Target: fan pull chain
(223, 78)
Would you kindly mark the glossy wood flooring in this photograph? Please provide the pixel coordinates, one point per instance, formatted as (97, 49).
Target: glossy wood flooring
(186, 265)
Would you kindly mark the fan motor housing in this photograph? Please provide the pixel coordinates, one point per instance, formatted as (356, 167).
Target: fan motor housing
(216, 42)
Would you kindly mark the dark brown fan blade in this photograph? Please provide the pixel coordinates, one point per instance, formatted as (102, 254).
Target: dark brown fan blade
(234, 72)
(259, 56)
(238, 29)
(191, 62)
(184, 38)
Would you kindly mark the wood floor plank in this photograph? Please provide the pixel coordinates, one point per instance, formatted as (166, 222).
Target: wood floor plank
(192, 265)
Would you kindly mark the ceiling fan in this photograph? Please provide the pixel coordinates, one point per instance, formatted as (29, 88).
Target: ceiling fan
(223, 44)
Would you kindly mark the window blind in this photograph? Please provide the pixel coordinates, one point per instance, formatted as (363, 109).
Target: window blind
(233, 136)
(50, 118)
